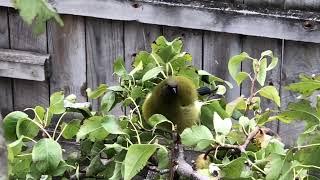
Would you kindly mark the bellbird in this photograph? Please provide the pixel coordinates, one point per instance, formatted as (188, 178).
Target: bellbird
(175, 98)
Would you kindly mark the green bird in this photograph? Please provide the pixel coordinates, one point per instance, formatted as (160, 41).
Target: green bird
(176, 98)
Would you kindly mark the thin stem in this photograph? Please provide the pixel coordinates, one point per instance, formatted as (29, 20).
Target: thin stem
(135, 129)
(253, 81)
(41, 127)
(61, 132)
(47, 114)
(155, 59)
(137, 109)
(306, 146)
(22, 155)
(26, 137)
(55, 129)
(255, 166)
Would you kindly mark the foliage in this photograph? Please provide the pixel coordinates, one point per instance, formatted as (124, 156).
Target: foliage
(120, 146)
(37, 12)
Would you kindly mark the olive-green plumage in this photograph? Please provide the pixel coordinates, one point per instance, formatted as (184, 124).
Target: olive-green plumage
(175, 98)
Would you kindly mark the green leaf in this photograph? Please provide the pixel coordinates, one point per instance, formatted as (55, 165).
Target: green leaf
(244, 121)
(111, 125)
(94, 128)
(222, 126)
(25, 127)
(40, 113)
(273, 167)
(238, 103)
(235, 62)
(116, 172)
(47, 155)
(158, 119)
(71, 128)
(152, 73)
(137, 92)
(119, 68)
(57, 103)
(136, 158)
(94, 94)
(108, 101)
(221, 90)
(301, 110)
(163, 157)
(10, 123)
(37, 12)
(61, 169)
(95, 166)
(240, 77)
(234, 168)
(307, 86)
(198, 136)
(270, 92)
(15, 148)
(273, 64)
(262, 74)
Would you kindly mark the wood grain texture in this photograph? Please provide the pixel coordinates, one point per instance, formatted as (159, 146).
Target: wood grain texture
(302, 4)
(265, 3)
(104, 46)
(192, 41)
(68, 57)
(218, 49)
(214, 18)
(27, 93)
(22, 64)
(6, 103)
(298, 58)
(254, 46)
(138, 37)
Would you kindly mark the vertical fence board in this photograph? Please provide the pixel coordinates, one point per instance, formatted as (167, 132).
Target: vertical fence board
(138, 37)
(254, 46)
(104, 46)
(5, 83)
(299, 58)
(192, 41)
(68, 56)
(218, 48)
(27, 93)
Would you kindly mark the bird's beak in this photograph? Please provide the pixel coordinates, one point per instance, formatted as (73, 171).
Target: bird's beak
(174, 89)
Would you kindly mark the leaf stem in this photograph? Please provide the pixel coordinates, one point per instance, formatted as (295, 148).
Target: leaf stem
(61, 132)
(26, 137)
(41, 127)
(55, 129)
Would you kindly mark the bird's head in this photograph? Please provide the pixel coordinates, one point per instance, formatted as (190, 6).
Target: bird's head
(177, 89)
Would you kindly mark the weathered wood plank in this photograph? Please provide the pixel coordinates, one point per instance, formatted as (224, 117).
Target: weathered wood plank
(302, 4)
(218, 49)
(68, 57)
(22, 64)
(298, 58)
(290, 25)
(5, 83)
(27, 93)
(138, 37)
(265, 3)
(254, 46)
(104, 46)
(192, 41)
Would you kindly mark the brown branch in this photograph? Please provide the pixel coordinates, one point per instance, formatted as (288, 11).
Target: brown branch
(185, 169)
(240, 148)
(178, 163)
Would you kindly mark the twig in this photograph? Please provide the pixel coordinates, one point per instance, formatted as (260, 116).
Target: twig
(185, 169)
(240, 148)
(178, 163)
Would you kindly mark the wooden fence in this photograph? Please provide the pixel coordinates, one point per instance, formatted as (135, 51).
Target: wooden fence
(82, 52)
